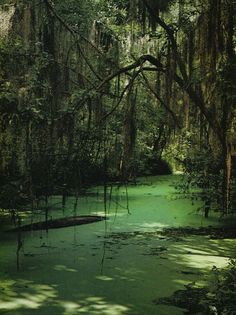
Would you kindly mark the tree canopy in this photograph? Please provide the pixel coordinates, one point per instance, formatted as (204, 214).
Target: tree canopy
(104, 90)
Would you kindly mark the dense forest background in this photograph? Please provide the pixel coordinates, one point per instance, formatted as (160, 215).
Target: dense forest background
(103, 90)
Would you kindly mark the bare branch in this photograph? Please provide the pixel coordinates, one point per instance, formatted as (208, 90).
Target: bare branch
(167, 108)
(88, 63)
(136, 64)
(122, 95)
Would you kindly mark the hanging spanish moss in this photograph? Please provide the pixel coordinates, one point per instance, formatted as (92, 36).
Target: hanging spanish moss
(117, 157)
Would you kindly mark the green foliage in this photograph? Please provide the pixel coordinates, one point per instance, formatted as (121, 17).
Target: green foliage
(78, 14)
(203, 180)
(222, 295)
(116, 12)
(52, 108)
(13, 194)
(152, 165)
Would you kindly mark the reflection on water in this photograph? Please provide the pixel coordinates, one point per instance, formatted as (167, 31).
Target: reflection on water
(115, 267)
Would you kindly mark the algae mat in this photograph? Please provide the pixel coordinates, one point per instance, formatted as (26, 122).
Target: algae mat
(120, 266)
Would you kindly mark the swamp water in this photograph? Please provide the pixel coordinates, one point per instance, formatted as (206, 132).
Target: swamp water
(115, 267)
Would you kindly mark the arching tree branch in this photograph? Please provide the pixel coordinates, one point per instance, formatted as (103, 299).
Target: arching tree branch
(138, 63)
(183, 82)
(185, 86)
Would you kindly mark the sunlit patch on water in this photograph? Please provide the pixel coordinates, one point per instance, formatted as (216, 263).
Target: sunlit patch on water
(114, 267)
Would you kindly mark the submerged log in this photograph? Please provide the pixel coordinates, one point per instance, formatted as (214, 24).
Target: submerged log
(60, 223)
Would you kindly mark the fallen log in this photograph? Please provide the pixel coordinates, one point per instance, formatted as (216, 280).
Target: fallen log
(59, 223)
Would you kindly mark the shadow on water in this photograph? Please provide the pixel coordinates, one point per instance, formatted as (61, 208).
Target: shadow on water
(61, 271)
(76, 287)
